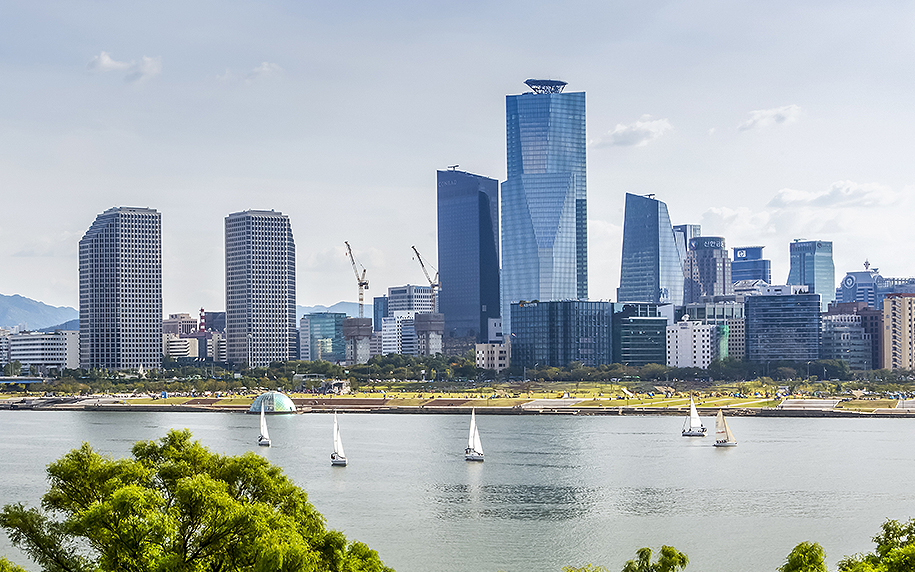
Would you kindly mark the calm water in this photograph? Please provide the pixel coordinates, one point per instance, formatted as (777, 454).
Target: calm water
(554, 490)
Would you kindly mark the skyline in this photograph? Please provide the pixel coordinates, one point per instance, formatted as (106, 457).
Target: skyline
(761, 123)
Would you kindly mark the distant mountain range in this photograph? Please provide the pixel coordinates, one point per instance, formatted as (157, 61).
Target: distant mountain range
(18, 310)
(33, 315)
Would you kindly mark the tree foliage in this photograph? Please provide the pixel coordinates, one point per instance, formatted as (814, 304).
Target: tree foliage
(176, 506)
(895, 551)
(806, 557)
(669, 560)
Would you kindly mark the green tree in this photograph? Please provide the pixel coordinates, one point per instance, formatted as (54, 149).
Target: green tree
(806, 557)
(895, 551)
(669, 560)
(177, 506)
(585, 568)
(7, 566)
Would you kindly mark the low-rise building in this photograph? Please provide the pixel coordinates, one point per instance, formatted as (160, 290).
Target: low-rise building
(496, 357)
(898, 331)
(45, 350)
(694, 344)
(843, 338)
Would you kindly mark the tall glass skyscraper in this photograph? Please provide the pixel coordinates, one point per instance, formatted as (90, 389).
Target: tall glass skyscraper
(260, 288)
(544, 199)
(468, 253)
(811, 264)
(748, 264)
(651, 268)
(120, 290)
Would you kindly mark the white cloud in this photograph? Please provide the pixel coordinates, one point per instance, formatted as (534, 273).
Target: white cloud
(765, 118)
(839, 194)
(637, 134)
(265, 69)
(136, 71)
(105, 63)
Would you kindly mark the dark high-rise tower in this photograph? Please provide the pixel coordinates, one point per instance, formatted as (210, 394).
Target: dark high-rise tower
(120, 290)
(707, 269)
(544, 199)
(468, 253)
(260, 288)
(651, 269)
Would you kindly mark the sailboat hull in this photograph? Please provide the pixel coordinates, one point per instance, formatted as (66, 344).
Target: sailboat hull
(694, 432)
(725, 444)
(473, 456)
(338, 462)
(263, 442)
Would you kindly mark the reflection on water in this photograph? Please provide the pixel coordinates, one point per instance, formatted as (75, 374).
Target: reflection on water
(511, 502)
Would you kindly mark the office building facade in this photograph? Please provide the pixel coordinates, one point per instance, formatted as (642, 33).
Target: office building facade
(842, 337)
(651, 270)
(694, 344)
(322, 333)
(899, 331)
(640, 333)
(120, 290)
(260, 288)
(468, 253)
(811, 264)
(45, 351)
(379, 311)
(707, 269)
(555, 334)
(748, 264)
(782, 325)
(544, 198)
(683, 233)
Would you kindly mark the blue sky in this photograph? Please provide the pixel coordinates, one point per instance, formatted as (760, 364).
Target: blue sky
(763, 122)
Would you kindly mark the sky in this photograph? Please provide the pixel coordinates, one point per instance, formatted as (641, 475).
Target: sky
(763, 122)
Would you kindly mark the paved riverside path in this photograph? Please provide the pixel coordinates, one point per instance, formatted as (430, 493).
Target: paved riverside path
(551, 403)
(821, 404)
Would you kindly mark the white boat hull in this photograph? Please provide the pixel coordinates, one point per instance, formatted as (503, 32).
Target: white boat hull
(471, 455)
(263, 442)
(694, 432)
(337, 461)
(725, 444)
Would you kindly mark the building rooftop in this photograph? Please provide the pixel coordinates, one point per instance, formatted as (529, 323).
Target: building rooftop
(546, 85)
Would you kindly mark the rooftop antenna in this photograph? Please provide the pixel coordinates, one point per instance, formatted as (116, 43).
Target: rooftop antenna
(453, 167)
(867, 264)
(650, 195)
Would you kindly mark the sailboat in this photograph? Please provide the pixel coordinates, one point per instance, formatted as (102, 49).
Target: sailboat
(723, 435)
(474, 450)
(264, 438)
(338, 457)
(693, 426)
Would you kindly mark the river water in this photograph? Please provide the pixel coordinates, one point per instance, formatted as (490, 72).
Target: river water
(553, 491)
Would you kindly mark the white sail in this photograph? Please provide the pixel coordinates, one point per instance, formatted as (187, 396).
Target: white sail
(727, 432)
(694, 421)
(477, 444)
(338, 441)
(471, 440)
(723, 435)
(264, 433)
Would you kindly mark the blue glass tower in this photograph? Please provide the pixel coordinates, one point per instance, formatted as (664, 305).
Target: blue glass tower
(748, 264)
(651, 269)
(468, 253)
(811, 264)
(544, 199)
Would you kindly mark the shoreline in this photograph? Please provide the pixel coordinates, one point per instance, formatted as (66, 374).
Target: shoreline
(331, 405)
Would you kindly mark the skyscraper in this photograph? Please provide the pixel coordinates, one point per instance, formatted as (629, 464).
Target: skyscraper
(707, 269)
(260, 288)
(748, 264)
(651, 269)
(811, 264)
(120, 290)
(544, 199)
(468, 253)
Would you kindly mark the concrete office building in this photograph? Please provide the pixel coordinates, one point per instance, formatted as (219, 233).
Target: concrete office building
(45, 350)
(651, 270)
(694, 344)
(899, 331)
(179, 324)
(842, 337)
(468, 256)
(812, 265)
(120, 291)
(260, 288)
(544, 198)
(496, 357)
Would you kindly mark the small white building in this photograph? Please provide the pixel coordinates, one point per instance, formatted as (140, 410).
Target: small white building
(45, 350)
(691, 344)
(176, 347)
(493, 356)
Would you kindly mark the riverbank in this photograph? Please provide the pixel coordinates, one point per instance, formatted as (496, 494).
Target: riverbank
(452, 406)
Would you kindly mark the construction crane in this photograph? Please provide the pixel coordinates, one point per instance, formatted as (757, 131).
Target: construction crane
(363, 283)
(433, 283)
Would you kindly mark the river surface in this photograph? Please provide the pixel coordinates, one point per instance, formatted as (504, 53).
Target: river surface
(553, 491)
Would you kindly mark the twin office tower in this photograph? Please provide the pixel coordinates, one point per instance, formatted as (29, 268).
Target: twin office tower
(544, 217)
(120, 289)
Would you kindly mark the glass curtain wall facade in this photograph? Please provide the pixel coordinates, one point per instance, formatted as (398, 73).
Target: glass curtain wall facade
(544, 199)
(468, 253)
(325, 336)
(260, 288)
(640, 333)
(651, 269)
(554, 334)
(811, 264)
(783, 328)
(748, 264)
(120, 290)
